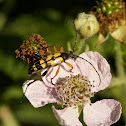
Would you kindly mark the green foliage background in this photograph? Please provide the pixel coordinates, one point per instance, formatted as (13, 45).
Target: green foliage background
(53, 21)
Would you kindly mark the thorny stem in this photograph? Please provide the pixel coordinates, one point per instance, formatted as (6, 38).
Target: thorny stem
(80, 45)
(119, 59)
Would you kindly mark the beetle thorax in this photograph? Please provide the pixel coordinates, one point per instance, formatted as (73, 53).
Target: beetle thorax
(65, 56)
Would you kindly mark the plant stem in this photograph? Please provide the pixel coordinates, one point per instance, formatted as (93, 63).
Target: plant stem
(80, 45)
(7, 117)
(69, 46)
(79, 109)
(119, 59)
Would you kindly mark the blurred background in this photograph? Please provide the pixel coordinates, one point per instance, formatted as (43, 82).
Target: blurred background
(53, 21)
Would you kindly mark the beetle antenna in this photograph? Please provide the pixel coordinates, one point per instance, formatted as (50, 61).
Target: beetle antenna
(26, 90)
(93, 67)
(75, 38)
(23, 95)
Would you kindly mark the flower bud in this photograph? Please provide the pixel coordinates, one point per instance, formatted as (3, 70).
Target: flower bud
(86, 24)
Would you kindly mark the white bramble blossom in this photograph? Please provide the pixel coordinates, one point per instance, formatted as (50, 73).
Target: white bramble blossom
(101, 113)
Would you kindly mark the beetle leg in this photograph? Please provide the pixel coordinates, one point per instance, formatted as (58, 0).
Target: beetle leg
(55, 49)
(45, 72)
(39, 75)
(70, 66)
(55, 74)
(61, 50)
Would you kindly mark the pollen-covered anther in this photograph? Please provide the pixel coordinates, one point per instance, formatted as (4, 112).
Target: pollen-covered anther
(74, 91)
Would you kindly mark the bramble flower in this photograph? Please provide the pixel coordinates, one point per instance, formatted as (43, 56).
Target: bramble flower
(111, 17)
(73, 90)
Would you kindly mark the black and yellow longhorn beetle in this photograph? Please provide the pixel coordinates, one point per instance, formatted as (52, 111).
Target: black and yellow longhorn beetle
(53, 60)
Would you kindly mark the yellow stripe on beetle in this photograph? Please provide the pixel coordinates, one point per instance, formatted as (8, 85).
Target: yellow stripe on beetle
(34, 67)
(55, 62)
(57, 54)
(43, 65)
(49, 57)
(41, 61)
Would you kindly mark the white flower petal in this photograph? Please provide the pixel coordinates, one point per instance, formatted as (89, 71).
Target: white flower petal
(38, 94)
(67, 116)
(102, 113)
(100, 64)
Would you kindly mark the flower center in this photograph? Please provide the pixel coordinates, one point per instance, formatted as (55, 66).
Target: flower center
(74, 91)
(32, 47)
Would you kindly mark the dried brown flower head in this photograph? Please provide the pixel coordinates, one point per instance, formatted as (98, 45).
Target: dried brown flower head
(29, 48)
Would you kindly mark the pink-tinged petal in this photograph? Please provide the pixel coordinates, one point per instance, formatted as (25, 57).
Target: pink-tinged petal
(102, 113)
(100, 64)
(39, 94)
(63, 72)
(67, 116)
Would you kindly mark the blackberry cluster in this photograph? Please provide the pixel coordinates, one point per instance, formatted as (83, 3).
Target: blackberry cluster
(107, 7)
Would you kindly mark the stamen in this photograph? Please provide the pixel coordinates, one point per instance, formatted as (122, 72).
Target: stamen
(74, 91)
